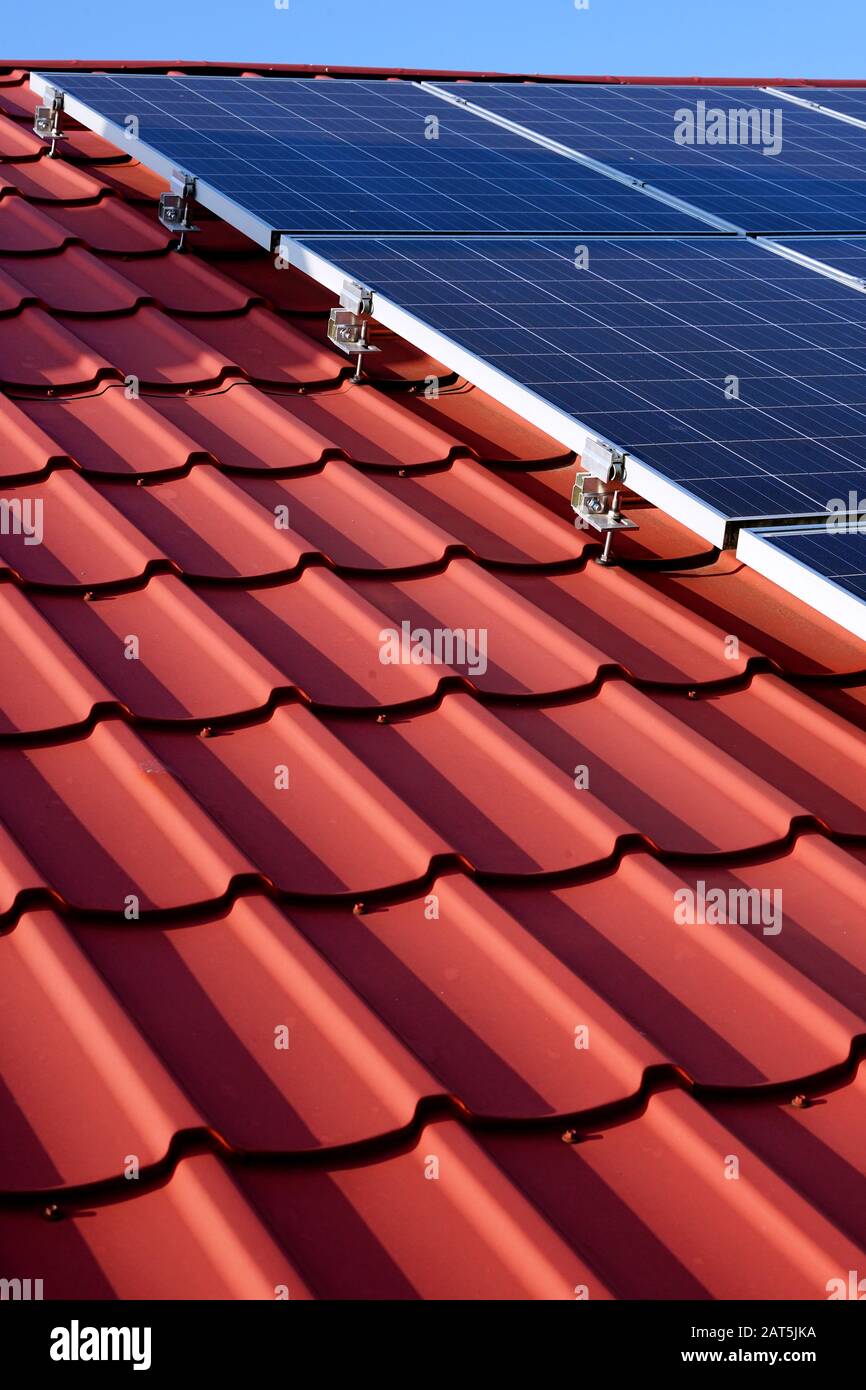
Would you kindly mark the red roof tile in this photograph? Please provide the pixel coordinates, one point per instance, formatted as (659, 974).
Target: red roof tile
(431, 907)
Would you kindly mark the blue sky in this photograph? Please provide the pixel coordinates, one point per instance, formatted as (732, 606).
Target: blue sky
(760, 38)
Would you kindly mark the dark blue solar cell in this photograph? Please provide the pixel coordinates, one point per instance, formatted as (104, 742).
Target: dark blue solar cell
(832, 561)
(779, 168)
(307, 155)
(834, 553)
(722, 375)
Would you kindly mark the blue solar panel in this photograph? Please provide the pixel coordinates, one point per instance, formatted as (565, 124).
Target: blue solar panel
(838, 555)
(309, 155)
(643, 345)
(815, 182)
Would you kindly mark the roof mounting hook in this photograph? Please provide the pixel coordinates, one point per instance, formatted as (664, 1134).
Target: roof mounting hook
(348, 325)
(597, 495)
(174, 205)
(47, 119)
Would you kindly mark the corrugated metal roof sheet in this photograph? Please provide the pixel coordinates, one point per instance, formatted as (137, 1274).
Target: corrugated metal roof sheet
(431, 908)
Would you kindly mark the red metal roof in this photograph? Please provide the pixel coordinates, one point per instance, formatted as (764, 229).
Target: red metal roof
(432, 908)
(344, 70)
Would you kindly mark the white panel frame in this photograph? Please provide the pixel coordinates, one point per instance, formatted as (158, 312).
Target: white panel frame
(830, 272)
(756, 549)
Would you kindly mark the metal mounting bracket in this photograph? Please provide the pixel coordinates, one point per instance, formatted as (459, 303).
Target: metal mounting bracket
(602, 460)
(174, 205)
(348, 325)
(47, 120)
(597, 504)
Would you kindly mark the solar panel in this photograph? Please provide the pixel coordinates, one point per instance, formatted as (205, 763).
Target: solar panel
(815, 182)
(301, 154)
(734, 380)
(826, 568)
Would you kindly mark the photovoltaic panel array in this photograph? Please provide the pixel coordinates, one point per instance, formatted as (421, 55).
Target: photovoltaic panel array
(558, 244)
(825, 566)
(307, 155)
(814, 182)
(734, 376)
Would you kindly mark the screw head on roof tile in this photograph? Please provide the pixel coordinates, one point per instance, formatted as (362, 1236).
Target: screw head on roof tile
(570, 1136)
(88, 597)
(206, 731)
(359, 909)
(52, 1212)
(401, 472)
(381, 719)
(693, 694)
(801, 1102)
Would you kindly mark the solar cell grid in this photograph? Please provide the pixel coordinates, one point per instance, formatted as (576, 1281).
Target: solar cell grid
(315, 155)
(816, 182)
(644, 345)
(839, 555)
